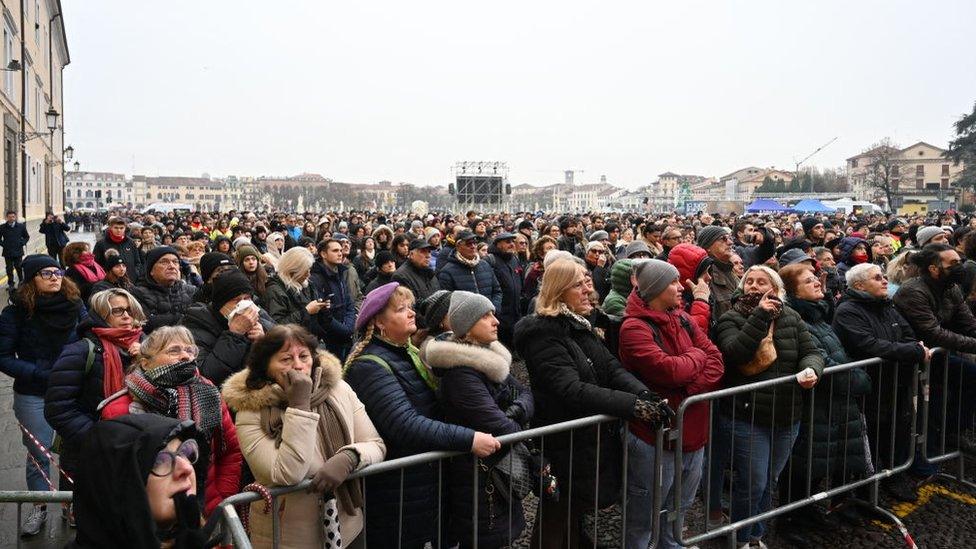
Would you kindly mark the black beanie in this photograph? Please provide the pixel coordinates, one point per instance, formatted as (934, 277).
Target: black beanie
(156, 254)
(111, 260)
(228, 286)
(34, 263)
(210, 261)
(435, 308)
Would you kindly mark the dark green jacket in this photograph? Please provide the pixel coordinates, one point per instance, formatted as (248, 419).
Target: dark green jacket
(738, 338)
(838, 430)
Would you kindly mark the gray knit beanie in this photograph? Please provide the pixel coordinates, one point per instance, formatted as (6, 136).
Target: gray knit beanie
(708, 235)
(466, 310)
(653, 276)
(925, 234)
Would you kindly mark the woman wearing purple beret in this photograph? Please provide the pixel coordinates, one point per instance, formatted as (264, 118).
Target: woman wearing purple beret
(398, 391)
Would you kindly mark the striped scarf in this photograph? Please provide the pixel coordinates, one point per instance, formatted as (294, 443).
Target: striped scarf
(179, 391)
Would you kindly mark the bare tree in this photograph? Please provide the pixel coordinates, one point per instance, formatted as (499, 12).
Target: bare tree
(881, 167)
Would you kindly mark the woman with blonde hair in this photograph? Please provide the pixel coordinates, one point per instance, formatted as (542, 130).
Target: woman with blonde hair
(288, 298)
(400, 396)
(165, 381)
(94, 368)
(297, 419)
(276, 245)
(761, 338)
(900, 270)
(574, 375)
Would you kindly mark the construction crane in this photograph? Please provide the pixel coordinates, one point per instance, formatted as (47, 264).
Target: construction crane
(809, 156)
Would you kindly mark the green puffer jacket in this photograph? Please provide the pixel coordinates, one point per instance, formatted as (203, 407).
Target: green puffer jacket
(738, 337)
(838, 430)
(620, 288)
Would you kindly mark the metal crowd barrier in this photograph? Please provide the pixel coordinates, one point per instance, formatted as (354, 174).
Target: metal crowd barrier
(813, 491)
(951, 420)
(235, 534)
(887, 452)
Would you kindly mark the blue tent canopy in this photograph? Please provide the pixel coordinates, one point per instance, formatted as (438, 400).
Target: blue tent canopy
(763, 205)
(812, 206)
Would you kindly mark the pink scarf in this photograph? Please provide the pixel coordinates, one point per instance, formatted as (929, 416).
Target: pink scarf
(88, 268)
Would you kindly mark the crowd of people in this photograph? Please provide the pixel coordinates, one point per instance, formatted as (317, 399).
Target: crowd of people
(184, 356)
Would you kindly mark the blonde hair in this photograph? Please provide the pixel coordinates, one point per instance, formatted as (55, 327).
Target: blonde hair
(773, 277)
(158, 340)
(560, 276)
(100, 303)
(293, 263)
(400, 295)
(901, 268)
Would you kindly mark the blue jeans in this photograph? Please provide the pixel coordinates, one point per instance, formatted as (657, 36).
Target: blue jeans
(720, 443)
(29, 411)
(759, 454)
(640, 494)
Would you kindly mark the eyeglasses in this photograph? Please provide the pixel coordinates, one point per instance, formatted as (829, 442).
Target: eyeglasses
(168, 262)
(166, 460)
(177, 350)
(48, 275)
(119, 311)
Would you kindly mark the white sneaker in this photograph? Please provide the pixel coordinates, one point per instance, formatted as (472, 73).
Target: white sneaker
(34, 521)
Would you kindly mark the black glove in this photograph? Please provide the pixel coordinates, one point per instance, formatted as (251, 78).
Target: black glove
(652, 409)
(515, 412)
(187, 533)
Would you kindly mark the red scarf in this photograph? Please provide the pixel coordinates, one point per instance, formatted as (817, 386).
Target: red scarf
(116, 239)
(113, 373)
(88, 268)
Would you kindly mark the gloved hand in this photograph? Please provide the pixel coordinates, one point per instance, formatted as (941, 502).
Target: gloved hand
(187, 531)
(334, 471)
(515, 412)
(298, 390)
(652, 409)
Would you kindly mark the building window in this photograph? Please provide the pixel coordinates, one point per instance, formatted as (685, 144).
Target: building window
(945, 182)
(37, 23)
(894, 171)
(918, 184)
(920, 170)
(8, 56)
(27, 92)
(854, 163)
(945, 170)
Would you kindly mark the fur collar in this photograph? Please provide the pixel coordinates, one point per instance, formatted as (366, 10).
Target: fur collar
(494, 361)
(239, 398)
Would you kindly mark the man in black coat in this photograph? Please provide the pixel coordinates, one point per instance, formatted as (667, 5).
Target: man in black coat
(224, 342)
(509, 273)
(163, 294)
(115, 239)
(13, 239)
(415, 273)
(54, 228)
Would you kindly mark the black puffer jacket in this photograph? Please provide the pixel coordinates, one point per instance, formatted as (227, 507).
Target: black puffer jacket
(476, 388)
(573, 375)
(508, 272)
(222, 352)
(938, 314)
(738, 337)
(838, 430)
(164, 306)
(71, 402)
(870, 327)
(422, 282)
(127, 251)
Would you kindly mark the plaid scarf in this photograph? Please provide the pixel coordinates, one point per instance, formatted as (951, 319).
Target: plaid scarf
(179, 391)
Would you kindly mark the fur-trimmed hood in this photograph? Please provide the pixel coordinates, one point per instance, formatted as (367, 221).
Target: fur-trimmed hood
(494, 360)
(240, 398)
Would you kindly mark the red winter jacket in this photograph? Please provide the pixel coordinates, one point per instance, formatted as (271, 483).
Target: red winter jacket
(687, 258)
(224, 471)
(684, 367)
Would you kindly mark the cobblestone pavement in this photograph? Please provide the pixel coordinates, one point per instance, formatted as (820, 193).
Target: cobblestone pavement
(944, 515)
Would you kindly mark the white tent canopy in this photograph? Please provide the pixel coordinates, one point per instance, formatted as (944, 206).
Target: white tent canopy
(167, 207)
(847, 205)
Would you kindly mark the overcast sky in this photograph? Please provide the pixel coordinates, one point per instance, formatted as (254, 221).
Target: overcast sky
(365, 91)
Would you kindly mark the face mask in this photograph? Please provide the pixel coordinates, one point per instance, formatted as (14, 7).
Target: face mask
(859, 257)
(953, 275)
